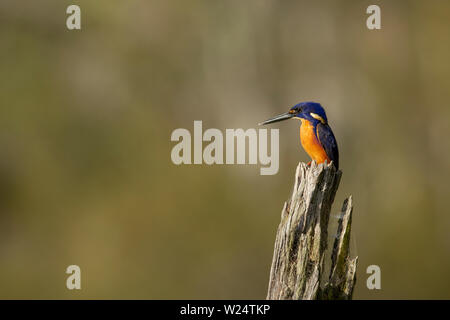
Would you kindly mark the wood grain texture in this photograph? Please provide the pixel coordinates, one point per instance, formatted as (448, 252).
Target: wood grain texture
(298, 265)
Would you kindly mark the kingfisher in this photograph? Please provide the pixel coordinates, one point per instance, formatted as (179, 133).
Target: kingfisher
(316, 136)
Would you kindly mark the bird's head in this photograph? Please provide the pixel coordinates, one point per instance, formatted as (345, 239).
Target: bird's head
(311, 111)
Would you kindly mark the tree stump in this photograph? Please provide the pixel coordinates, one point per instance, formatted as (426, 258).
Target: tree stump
(298, 265)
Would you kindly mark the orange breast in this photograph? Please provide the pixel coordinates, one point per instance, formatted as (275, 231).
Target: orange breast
(310, 143)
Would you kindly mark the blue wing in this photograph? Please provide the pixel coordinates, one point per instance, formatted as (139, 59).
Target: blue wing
(328, 142)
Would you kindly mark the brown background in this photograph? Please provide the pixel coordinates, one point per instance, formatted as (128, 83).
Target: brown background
(85, 123)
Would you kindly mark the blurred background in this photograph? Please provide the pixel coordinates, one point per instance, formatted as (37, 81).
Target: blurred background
(86, 116)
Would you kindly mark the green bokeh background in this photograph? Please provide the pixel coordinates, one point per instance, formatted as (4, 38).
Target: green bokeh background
(86, 117)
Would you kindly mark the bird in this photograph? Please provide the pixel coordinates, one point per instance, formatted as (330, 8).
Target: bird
(316, 136)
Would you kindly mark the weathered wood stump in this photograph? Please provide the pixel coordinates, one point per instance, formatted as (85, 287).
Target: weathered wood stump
(298, 265)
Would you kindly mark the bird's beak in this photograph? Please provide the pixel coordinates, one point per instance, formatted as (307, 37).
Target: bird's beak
(280, 117)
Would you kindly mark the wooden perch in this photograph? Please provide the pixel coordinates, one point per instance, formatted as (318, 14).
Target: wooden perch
(298, 265)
